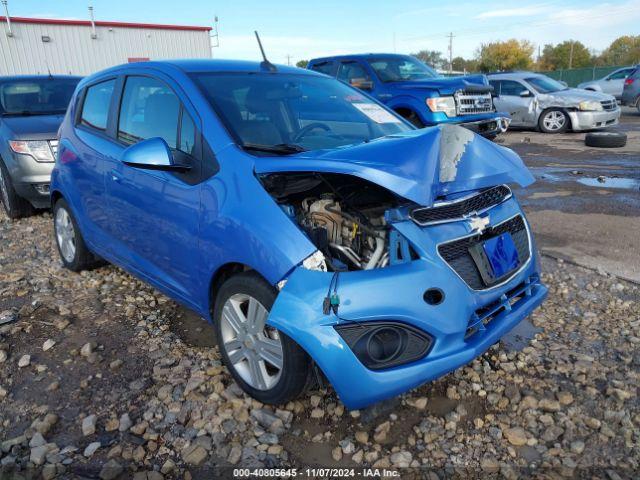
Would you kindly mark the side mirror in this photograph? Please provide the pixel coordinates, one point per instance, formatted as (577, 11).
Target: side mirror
(564, 83)
(152, 154)
(525, 93)
(361, 84)
(607, 79)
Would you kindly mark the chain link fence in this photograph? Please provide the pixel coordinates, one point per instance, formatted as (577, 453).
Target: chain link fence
(575, 76)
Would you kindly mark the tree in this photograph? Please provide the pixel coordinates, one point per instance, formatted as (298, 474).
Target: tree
(433, 58)
(568, 54)
(509, 55)
(624, 50)
(460, 64)
(302, 63)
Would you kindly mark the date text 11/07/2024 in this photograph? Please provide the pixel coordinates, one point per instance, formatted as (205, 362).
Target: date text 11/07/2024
(315, 473)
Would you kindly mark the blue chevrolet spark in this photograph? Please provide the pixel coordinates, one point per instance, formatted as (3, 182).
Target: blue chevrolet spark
(311, 225)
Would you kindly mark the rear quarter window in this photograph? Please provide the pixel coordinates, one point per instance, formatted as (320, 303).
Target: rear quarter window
(95, 107)
(323, 67)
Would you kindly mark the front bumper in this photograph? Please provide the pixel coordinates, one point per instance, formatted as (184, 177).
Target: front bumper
(30, 178)
(491, 127)
(593, 120)
(396, 294)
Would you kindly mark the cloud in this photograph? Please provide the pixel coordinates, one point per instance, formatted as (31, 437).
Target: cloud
(514, 12)
(597, 16)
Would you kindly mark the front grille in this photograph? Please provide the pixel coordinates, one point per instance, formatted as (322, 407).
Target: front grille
(53, 144)
(609, 105)
(457, 210)
(471, 103)
(456, 253)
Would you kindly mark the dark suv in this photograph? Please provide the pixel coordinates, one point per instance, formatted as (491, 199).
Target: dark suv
(31, 110)
(631, 92)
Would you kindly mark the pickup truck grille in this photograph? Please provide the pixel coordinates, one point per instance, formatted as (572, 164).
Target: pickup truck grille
(456, 253)
(53, 145)
(609, 105)
(459, 209)
(471, 103)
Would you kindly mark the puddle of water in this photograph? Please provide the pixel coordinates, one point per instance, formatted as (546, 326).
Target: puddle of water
(611, 182)
(520, 336)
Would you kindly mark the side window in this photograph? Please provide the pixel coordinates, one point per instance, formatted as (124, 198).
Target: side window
(620, 75)
(323, 67)
(509, 87)
(95, 107)
(149, 108)
(496, 86)
(187, 134)
(353, 73)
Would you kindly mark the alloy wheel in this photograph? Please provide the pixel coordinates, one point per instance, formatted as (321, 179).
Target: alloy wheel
(65, 234)
(554, 120)
(253, 348)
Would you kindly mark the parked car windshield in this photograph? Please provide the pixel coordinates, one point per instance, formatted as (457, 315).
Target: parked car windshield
(41, 96)
(288, 113)
(545, 84)
(401, 69)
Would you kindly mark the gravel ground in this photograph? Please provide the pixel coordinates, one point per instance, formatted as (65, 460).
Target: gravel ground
(102, 376)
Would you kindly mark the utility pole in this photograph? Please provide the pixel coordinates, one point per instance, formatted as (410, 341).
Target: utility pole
(571, 55)
(288, 59)
(450, 52)
(215, 38)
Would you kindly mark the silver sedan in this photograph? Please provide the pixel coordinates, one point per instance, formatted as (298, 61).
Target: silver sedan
(535, 100)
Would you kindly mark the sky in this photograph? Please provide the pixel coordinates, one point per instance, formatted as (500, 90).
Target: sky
(292, 30)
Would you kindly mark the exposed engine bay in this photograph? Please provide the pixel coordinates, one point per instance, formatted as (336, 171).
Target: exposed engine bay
(343, 216)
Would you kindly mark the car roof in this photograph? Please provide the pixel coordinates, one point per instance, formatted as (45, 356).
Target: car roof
(199, 66)
(357, 56)
(12, 78)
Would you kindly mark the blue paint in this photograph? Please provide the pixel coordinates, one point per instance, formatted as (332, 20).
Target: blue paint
(177, 230)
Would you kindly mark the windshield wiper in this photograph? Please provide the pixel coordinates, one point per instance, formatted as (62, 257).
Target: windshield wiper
(280, 148)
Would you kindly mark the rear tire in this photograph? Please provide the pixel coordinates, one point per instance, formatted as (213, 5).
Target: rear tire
(553, 120)
(605, 139)
(15, 206)
(73, 250)
(266, 363)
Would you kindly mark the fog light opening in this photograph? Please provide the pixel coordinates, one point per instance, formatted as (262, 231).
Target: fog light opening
(384, 344)
(434, 296)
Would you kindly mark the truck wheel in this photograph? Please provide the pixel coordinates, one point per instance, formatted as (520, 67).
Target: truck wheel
(15, 206)
(265, 362)
(605, 139)
(414, 119)
(73, 251)
(553, 120)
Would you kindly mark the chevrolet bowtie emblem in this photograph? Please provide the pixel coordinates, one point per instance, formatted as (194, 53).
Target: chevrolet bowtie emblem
(478, 224)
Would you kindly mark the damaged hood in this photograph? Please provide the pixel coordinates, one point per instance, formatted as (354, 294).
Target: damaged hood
(446, 86)
(420, 165)
(573, 96)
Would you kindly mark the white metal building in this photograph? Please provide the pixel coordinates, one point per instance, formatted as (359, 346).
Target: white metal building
(78, 47)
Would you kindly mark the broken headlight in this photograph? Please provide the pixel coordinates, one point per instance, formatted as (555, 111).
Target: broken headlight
(590, 106)
(442, 104)
(381, 345)
(315, 261)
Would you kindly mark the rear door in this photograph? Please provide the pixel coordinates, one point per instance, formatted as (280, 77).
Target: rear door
(510, 100)
(154, 214)
(94, 152)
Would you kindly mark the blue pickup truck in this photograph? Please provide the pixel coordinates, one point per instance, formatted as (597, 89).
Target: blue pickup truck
(417, 92)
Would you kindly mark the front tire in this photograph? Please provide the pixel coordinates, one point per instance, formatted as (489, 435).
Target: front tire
(266, 363)
(15, 206)
(73, 250)
(553, 120)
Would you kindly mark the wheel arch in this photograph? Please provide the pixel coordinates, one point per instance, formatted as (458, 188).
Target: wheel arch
(223, 273)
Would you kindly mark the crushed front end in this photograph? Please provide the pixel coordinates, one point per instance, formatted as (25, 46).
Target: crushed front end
(401, 292)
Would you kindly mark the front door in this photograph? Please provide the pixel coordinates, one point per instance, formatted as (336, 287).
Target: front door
(510, 100)
(154, 214)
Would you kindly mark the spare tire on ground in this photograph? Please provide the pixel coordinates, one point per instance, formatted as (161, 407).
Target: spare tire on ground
(605, 139)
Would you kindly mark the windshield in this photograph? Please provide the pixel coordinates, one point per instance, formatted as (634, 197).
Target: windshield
(288, 113)
(401, 69)
(545, 84)
(39, 96)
